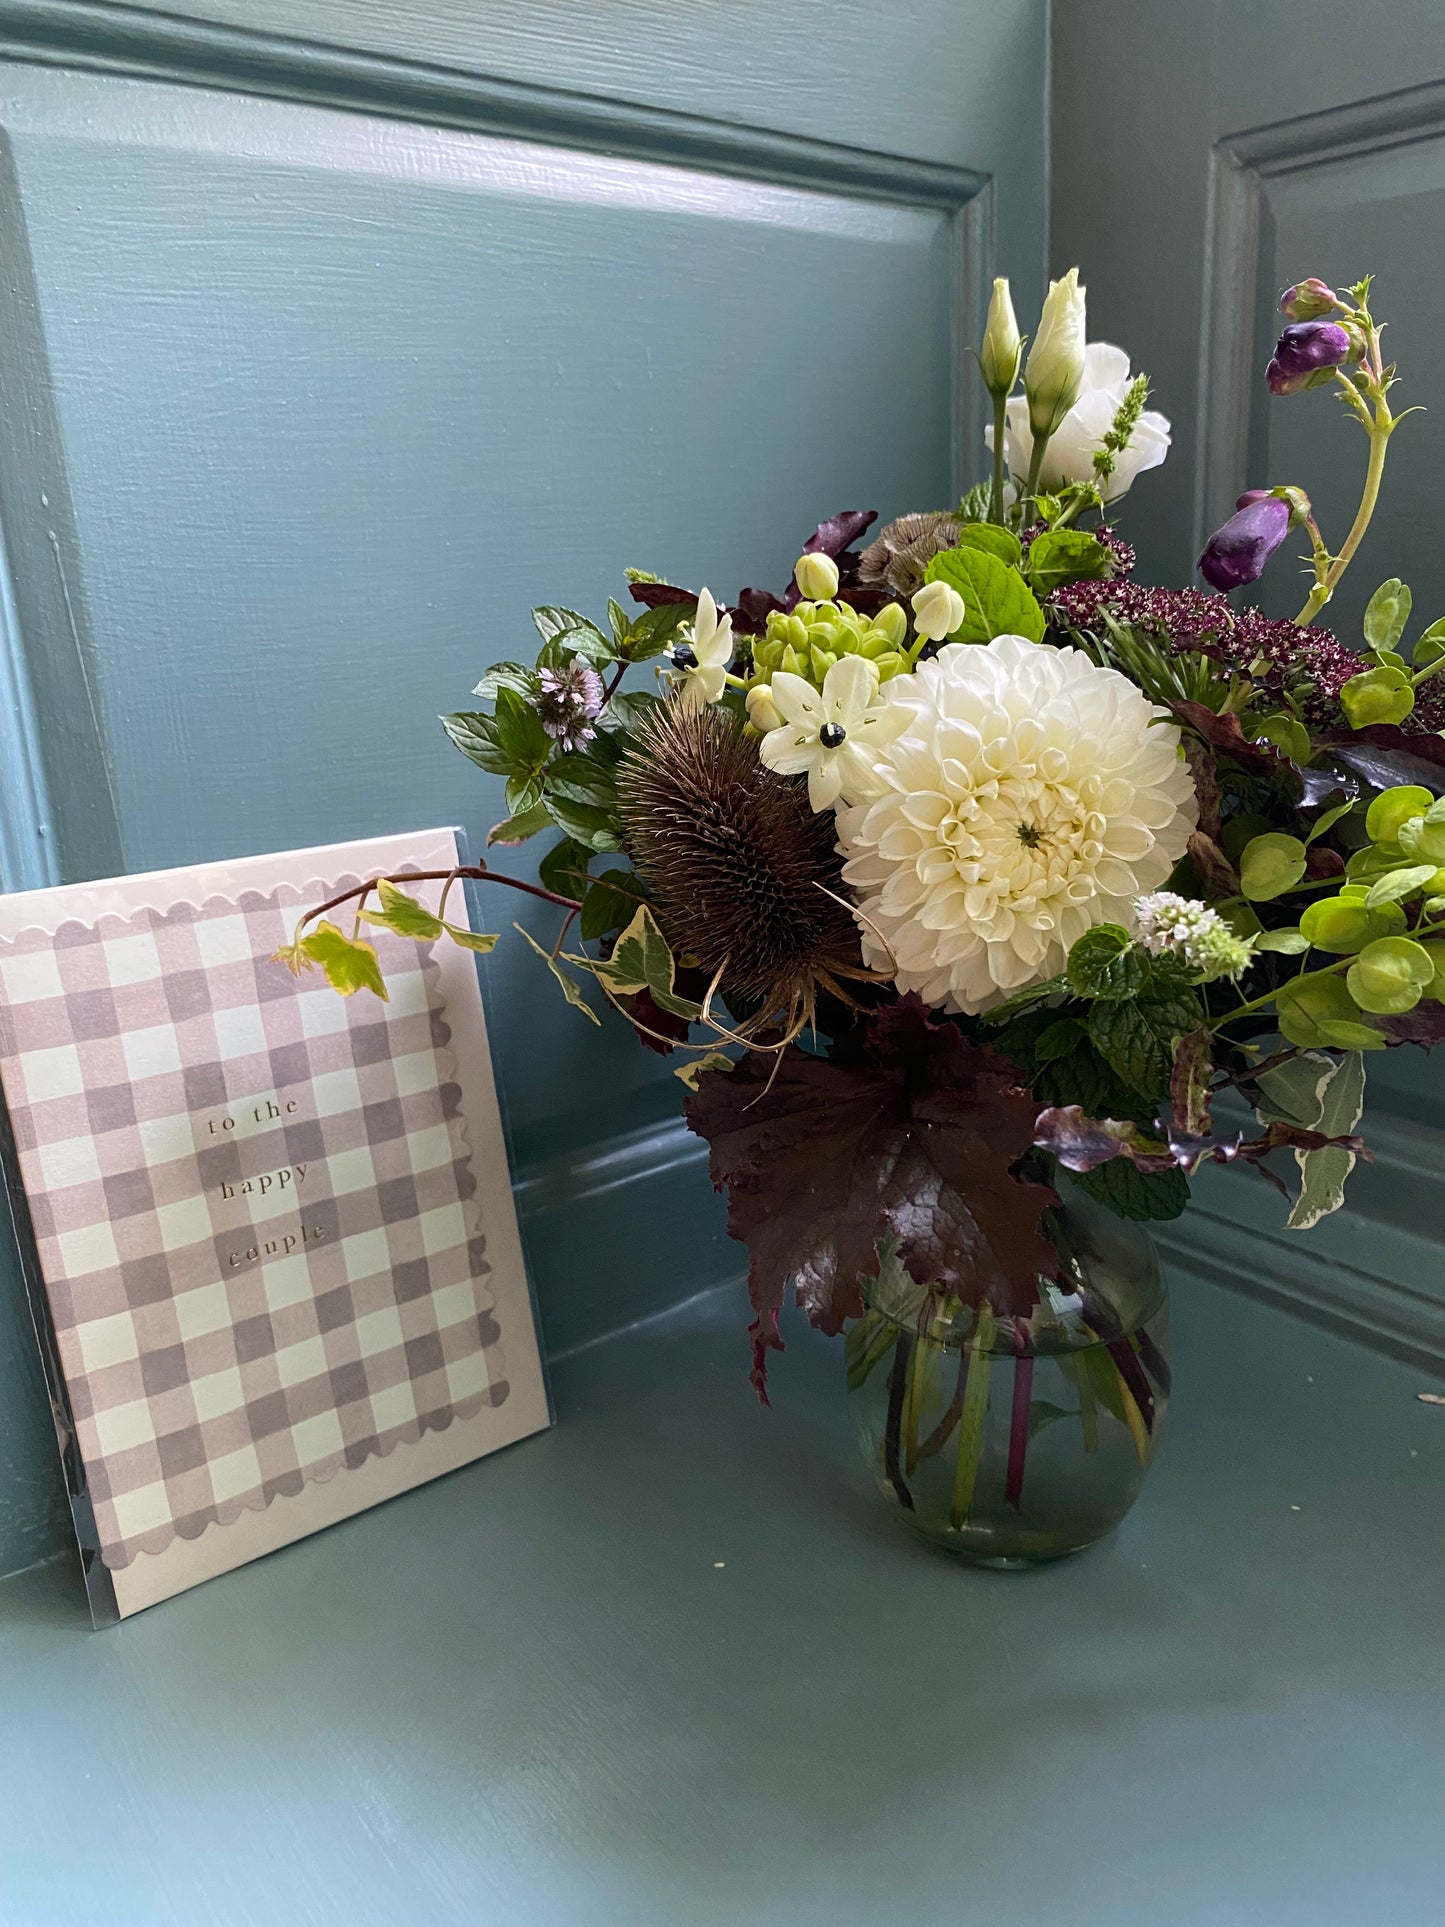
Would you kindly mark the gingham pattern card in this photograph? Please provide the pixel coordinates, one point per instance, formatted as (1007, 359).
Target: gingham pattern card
(278, 1263)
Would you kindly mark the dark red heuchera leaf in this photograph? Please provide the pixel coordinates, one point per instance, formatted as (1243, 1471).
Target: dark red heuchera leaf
(1206, 786)
(1424, 1025)
(750, 612)
(1216, 871)
(1083, 1143)
(915, 1138)
(1384, 754)
(1225, 733)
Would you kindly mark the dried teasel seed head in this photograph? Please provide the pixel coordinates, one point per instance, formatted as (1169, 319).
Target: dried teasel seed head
(901, 554)
(732, 857)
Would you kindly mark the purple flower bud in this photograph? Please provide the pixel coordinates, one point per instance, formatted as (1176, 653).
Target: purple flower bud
(1304, 352)
(1308, 300)
(1253, 495)
(1237, 552)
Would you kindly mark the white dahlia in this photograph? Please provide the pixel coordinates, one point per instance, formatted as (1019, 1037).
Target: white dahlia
(1031, 796)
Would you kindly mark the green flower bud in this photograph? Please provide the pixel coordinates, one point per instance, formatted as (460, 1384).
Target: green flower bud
(822, 661)
(1270, 865)
(1390, 975)
(1055, 370)
(763, 712)
(1002, 349)
(816, 577)
(1382, 695)
(938, 609)
(1393, 808)
(794, 662)
(892, 622)
(1344, 926)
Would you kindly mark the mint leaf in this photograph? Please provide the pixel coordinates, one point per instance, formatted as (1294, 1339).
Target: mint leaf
(519, 733)
(580, 776)
(1105, 962)
(1130, 1193)
(1137, 1039)
(585, 823)
(564, 868)
(506, 675)
(611, 901)
(627, 709)
(1065, 555)
(517, 829)
(475, 735)
(997, 600)
(993, 540)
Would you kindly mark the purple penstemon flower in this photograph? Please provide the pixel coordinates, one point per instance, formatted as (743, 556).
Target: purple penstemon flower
(1238, 550)
(1304, 352)
(569, 701)
(1307, 300)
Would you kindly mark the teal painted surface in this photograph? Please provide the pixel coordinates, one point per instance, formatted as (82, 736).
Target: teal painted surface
(306, 407)
(1345, 132)
(530, 1694)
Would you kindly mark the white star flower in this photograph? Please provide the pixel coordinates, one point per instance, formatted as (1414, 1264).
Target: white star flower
(834, 736)
(701, 655)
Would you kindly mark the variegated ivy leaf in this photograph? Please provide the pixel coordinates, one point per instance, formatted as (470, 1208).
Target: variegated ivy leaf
(1320, 1094)
(641, 960)
(712, 1060)
(571, 989)
(478, 940)
(402, 914)
(350, 964)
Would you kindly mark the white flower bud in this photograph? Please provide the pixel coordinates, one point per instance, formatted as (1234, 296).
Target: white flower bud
(999, 356)
(938, 609)
(816, 577)
(1054, 372)
(763, 712)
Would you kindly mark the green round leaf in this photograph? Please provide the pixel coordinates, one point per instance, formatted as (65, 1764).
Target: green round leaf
(1386, 614)
(1305, 1004)
(1343, 926)
(1423, 840)
(1393, 808)
(1399, 884)
(1381, 695)
(1288, 734)
(1390, 975)
(1270, 865)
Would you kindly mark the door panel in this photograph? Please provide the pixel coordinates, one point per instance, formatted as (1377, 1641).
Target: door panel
(1262, 145)
(323, 362)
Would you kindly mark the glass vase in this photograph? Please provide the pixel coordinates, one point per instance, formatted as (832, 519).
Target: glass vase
(1010, 1440)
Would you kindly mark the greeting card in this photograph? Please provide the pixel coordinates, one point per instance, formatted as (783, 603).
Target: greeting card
(268, 1230)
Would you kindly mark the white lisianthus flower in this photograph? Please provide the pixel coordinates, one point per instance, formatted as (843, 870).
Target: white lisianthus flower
(835, 736)
(938, 609)
(1055, 367)
(701, 655)
(1069, 456)
(1030, 795)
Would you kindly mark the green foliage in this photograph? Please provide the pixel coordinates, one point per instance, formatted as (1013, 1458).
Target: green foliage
(1386, 614)
(402, 914)
(349, 964)
(640, 961)
(977, 503)
(1130, 1193)
(1322, 1094)
(1065, 555)
(611, 901)
(571, 989)
(1271, 865)
(516, 829)
(993, 540)
(1380, 695)
(1390, 976)
(1316, 1010)
(1106, 962)
(997, 600)
(1137, 1038)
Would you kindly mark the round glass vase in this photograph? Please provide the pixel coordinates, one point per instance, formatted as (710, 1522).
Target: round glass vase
(1013, 1440)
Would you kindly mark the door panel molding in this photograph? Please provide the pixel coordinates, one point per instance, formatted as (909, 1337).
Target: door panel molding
(1241, 169)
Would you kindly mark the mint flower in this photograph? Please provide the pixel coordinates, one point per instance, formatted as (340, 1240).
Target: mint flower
(569, 701)
(1173, 926)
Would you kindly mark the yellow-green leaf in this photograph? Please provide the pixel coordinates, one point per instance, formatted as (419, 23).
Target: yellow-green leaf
(403, 914)
(470, 939)
(350, 964)
(571, 989)
(641, 960)
(712, 1060)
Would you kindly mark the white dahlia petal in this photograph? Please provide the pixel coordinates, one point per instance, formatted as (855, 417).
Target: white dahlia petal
(1030, 795)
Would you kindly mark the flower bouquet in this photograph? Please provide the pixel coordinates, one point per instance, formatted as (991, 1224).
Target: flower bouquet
(962, 878)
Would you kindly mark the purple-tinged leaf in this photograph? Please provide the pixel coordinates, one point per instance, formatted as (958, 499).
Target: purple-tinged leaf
(1206, 786)
(1216, 871)
(1424, 1025)
(1189, 1083)
(839, 532)
(1384, 755)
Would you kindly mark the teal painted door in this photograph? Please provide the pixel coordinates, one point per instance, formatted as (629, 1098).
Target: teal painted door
(334, 335)
(1216, 154)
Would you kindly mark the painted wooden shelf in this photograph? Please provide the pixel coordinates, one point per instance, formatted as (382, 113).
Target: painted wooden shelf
(673, 1664)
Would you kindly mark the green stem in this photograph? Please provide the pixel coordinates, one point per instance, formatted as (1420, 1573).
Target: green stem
(1381, 427)
(1420, 935)
(975, 1410)
(1000, 420)
(1036, 469)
